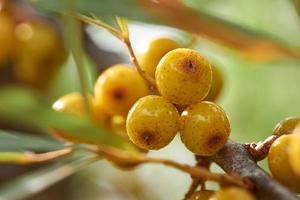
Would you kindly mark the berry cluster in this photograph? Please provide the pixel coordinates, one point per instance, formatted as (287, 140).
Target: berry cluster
(127, 104)
(283, 157)
(183, 78)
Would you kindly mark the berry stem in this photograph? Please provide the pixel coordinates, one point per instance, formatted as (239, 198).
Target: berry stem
(136, 159)
(134, 60)
(123, 35)
(33, 158)
(260, 150)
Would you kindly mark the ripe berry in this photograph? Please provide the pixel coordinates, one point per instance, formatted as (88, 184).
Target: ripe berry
(205, 128)
(294, 152)
(72, 103)
(286, 126)
(183, 76)
(39, 53)
(6, 37)
(155, 50)
(279, 163)
(232, 193)
(152, 122)
(201, 195)
(216, 85)
(118, 87)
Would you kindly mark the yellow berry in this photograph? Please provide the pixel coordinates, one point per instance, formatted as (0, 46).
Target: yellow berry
(294, 154)
(152, 122)
(6, 37)
(201, 195)
(183, 76)
(118, 87)
(279, 164)
(216, 86)
(286, 126)
(232, 193)
(155, 50)
(205, 128)
(39, 53)
(72, 103)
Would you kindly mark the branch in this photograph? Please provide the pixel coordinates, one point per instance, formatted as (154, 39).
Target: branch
(255, 46)
(235, 158)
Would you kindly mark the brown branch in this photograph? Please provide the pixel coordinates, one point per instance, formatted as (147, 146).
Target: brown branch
(260, 150)
(235, 158)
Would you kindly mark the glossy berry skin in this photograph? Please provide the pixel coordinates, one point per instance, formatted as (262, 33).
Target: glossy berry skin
(294, 154)
(278, 160)
(183, 76)
(118, 88)
(152, 122)
(205, 128)
(72, 103)
(216, 86)
(154, 51)
(39, 53)
(286, 126)
(232, 193)
(201, 195)
(6, 37)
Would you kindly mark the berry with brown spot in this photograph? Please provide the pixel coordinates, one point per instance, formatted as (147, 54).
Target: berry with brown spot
(183, 76)
(155, 50)
(232, 193)
(152, 122)
(205, 128)
(118, 87)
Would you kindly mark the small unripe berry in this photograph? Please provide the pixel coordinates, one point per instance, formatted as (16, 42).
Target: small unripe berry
(294, 154)
(118, 87)
(201, 195)
(156, 49)
(286, 126)
(152, 122)
(279, 163)
(232, 193)
(216, 85)
(205, 128)
(183, 76)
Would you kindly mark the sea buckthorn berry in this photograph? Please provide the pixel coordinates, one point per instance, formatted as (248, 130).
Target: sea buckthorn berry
(72, 103)
(216, 85)
(118, 87)
(155, 50)
(6, 37)
(152, 122)
(205, 128)
(279, 163)
(286, 126)
(183, 76)
(39, 53)
(201, 195)
(294, 154)
(232, 193)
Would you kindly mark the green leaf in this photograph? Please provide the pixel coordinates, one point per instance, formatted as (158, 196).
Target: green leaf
(23, 106)
(32, 183)
(13, 141)
(103, 8)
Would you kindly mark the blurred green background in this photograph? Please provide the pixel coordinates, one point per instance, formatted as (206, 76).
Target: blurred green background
(256, 95)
